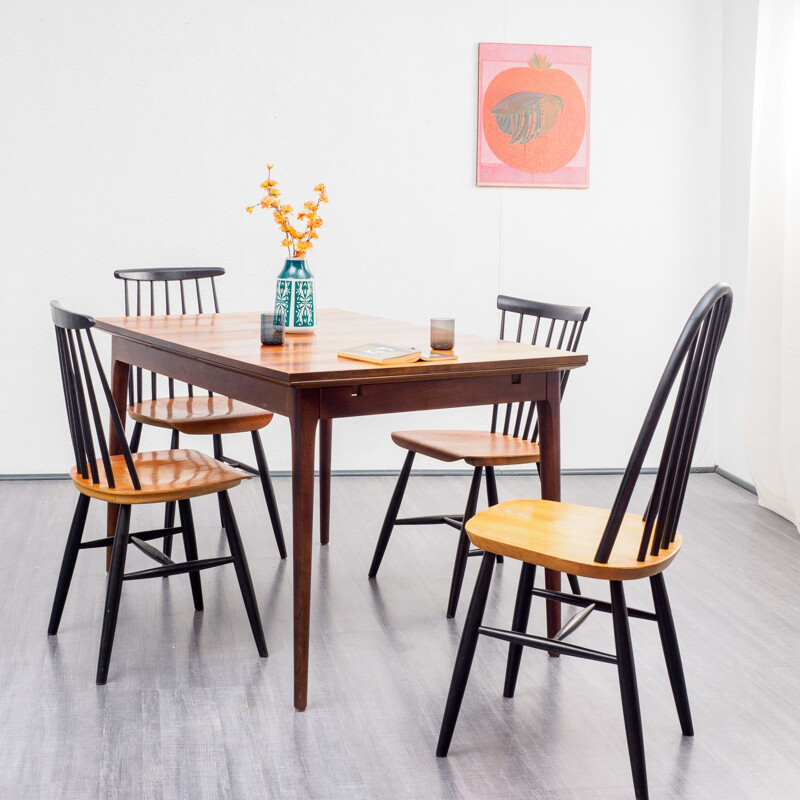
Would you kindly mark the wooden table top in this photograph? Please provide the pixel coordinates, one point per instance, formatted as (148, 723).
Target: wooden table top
(310, 359)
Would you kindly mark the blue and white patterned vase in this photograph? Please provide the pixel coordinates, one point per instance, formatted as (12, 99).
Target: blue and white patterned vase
(295, 294)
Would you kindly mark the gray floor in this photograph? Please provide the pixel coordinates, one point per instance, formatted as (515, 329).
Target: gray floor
(191, 712)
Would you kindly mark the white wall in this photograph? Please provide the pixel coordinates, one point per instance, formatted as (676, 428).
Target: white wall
(133, 133)
(740, 24)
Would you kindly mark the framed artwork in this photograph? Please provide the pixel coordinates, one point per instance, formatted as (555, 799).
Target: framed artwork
(533, 115)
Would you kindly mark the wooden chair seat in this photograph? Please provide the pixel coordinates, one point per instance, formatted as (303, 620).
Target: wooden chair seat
(564, 537)
(477, 448)
(164, 475)
(202, 416)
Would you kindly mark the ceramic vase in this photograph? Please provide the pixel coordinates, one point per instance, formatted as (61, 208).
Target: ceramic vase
(294, 293)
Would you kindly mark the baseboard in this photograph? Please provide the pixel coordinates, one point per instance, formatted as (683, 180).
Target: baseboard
(729, 476)
(36, 476)
(453, 473)
(445, 473)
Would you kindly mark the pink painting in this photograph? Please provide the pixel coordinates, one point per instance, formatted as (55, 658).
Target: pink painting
(533, 115)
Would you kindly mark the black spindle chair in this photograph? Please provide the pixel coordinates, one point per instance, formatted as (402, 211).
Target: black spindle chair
(131, 479)
(180, 290)
(511, 439)
(610, 545)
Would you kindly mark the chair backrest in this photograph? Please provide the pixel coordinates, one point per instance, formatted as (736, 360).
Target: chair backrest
(75, 344)
(695, 353)
(542, 324)
(168, 290)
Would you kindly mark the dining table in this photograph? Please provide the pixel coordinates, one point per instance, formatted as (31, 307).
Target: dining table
(307, 382)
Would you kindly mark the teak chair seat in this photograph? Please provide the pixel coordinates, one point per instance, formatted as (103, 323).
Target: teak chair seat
(476, 448)
(511, 439)
(200, 416)
(129, 479)
(564, 537)
(180, 290)
(164, 476)
(610, 544)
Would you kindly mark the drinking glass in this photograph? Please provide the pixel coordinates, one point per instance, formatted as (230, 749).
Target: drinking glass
(273, 331)
(443, 332)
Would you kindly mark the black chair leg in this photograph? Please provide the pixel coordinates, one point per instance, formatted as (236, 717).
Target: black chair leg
(243, 573)
(522, 612)
(68, 562)
(269, 493)
(217, 440)
(672, 653)
(136, 437)
(190, 545)
(491, 494)
(466, 652)
(462, 551)
(628, 690)
(169, 522)
(113, 592)
(169, 510)
(391, 514)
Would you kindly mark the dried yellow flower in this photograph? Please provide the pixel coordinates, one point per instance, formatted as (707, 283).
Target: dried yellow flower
(298, 243)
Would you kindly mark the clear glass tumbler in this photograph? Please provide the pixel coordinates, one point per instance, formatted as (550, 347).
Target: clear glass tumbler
(273, 329)
(443, 333)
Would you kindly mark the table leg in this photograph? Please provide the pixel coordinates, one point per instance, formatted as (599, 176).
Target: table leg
(119, 391)
(549, 411)
(303, 420)
(325, 441)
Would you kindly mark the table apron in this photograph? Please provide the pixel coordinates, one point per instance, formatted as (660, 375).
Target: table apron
(386, 398)
(353, 400)
(243, 386)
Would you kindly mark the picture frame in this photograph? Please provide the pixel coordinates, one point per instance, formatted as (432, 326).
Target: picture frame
(533, 115)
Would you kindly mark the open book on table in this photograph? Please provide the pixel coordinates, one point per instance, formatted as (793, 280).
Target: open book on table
(389, 354)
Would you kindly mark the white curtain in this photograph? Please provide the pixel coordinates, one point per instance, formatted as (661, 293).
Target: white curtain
(772, 360)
